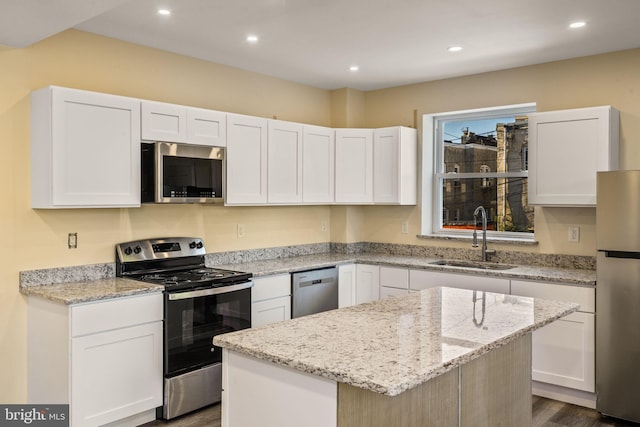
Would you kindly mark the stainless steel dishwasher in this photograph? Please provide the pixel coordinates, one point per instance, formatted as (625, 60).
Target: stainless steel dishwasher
(314, 291)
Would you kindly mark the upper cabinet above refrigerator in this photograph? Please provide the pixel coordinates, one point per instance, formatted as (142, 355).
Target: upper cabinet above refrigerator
(566, 150)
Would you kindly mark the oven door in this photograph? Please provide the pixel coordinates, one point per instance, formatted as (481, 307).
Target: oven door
(194, 317)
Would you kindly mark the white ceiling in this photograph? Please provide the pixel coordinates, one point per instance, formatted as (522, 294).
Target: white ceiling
(314, 42)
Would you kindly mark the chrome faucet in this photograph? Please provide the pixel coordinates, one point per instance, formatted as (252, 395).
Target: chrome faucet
(481, 210)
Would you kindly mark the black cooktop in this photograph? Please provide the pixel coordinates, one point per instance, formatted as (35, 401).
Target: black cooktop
(195, 278)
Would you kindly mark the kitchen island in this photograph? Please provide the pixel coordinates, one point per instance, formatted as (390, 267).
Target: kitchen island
(442, 357)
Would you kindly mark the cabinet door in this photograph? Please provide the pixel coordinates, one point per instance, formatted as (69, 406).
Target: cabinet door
(116, 374)
(246, 160)
(423, 279)
(367, 283)
(206, 127)
(395, 166)
(270, 311)
(346, 285)
(566, 149)
(318, 164)
(164, 122)
(564, 352)
(354, 166)
(284, 162)
(85, 149)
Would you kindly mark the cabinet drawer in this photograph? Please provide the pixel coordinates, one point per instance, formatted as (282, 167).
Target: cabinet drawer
(271, 287)
(423, 279)
(584, 296)
(394, 277)
(116, 313)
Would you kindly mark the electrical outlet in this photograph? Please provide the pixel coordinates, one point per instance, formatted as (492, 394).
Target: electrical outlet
(323, 225)
(405, 227)
(240, 231)
(574, 234)
(72, 240)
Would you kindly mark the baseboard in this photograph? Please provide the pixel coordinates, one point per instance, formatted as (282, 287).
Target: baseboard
(134, 420)
(563, 394)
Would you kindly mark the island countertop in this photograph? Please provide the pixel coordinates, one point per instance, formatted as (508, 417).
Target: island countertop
(392, 345)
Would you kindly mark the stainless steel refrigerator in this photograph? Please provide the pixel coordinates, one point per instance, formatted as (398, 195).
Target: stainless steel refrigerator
(618, 295)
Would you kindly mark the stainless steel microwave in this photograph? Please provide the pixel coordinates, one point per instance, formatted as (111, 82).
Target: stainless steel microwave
(182, 173)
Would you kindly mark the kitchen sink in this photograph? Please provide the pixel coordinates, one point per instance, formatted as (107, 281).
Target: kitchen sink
(473, 264)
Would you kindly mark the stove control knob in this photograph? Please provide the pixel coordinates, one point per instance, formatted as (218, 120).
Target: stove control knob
(137, 249)
(128, 250)
(192, 245)
(199, 245)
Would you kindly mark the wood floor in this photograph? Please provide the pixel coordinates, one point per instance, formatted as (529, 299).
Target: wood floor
(546, 413)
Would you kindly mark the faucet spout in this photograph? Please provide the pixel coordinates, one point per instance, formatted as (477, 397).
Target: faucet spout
(483, 212)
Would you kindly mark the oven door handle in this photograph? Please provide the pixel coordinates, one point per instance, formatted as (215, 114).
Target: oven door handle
(206, 292)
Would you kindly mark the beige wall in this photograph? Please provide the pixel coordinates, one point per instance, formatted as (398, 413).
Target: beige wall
(610, 79)
(33, 239)
(37, 238)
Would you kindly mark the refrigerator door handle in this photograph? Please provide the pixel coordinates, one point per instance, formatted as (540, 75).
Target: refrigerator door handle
(622, 254)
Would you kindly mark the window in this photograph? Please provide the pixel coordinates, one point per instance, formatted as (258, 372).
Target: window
(479, 158)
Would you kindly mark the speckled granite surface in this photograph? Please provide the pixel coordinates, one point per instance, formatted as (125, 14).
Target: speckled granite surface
(576, 270)
(287, 265)
(395, 344)
(92, 290)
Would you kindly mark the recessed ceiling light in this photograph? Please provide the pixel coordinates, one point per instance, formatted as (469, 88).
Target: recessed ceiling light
(577, 24)
(354, 68)
(164, 12)
(455, 49)
(252, 38)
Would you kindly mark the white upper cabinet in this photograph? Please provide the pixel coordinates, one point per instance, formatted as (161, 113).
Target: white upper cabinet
(85, 149)
(284, 162)
(163, 122)
(246, 160)
(395, 159)
(566, 149)
(354, 166)
(177, 123)
(318, 165)
(206, 127)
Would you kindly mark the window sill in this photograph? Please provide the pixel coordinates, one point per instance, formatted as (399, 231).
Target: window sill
(464, 238)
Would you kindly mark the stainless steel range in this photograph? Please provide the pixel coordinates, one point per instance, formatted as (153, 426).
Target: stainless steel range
(199, 303)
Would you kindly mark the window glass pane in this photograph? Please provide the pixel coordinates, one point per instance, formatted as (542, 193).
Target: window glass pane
(497, 144)
(504, 199)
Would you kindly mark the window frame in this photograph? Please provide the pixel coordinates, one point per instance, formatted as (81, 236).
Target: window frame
(433, 178)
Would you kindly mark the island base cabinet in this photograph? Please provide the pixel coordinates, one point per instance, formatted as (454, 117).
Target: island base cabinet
(491, 390)
(432, 404)
(259, 393)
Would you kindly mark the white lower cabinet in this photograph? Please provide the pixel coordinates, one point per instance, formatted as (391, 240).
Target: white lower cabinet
(393, 281)
(367, 283)
(346, 285)
(424, 279)
(102, 358)
(564, 351)
(270, 300)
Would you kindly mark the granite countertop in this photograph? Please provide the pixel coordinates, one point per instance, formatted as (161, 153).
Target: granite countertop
(395, 344)
(90, 290)
(307, 262)
(71, 285)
